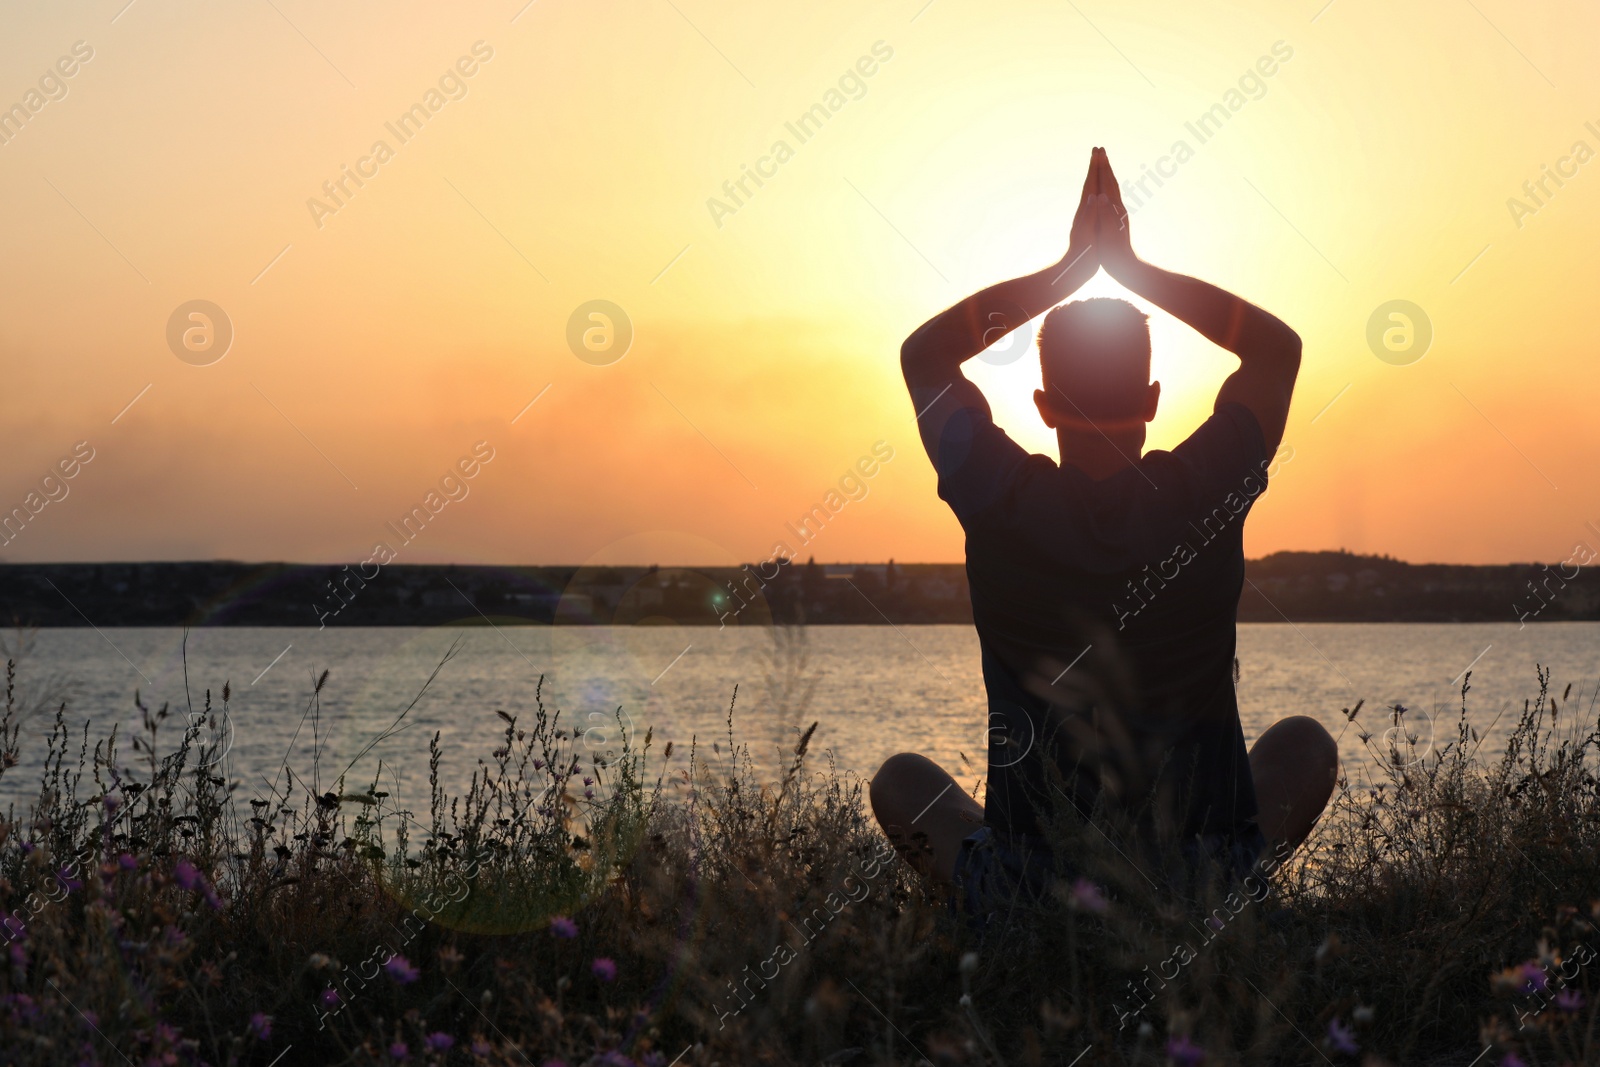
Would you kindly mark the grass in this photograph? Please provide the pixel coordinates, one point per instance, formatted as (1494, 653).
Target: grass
(690, 908)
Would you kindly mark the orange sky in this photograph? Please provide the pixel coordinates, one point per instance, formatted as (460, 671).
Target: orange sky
(375, 344)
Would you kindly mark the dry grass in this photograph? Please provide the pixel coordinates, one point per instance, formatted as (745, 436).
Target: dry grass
(687, 908)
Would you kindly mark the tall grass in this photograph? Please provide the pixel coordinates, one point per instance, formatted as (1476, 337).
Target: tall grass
(689, 907)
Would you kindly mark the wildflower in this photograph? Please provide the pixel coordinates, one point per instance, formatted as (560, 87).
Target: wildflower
(588, 794)
(111, 802)
(260, 1026)
(186, 874)
(439, 1041)
(399, 968)
(399, 1051)
(480, 1048)
(1569, 1001)
(1341, 1039)
(1183, 1052)
(1511, 1059)
(604, 969)
(1533, 977)
(128, 861)
(587, 780)
(330, 997)
(1087, 896)
(538, 764)
(563, 927)
(69, 883)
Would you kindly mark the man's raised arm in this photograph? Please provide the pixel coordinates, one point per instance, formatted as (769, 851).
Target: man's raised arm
(931, 357)
(1268, 350)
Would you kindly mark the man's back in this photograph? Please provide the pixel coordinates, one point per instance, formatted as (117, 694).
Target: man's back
(1105, 610)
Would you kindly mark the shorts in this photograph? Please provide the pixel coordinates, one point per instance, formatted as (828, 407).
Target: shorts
(993, 874)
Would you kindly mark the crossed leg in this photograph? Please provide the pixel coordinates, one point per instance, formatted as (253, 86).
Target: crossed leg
(1295, 764)
(924, 812)
(927, 815)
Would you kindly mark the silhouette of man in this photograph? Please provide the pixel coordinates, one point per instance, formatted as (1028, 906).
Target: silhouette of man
(1105, 590)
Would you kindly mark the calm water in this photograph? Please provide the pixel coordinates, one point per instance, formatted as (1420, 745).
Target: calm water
(875, 690)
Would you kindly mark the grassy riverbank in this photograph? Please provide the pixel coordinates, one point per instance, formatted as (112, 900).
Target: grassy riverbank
(679, 907)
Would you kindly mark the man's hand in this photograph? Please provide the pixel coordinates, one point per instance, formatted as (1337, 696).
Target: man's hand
(1081, 245)
(1268, 350)
(1111, 235)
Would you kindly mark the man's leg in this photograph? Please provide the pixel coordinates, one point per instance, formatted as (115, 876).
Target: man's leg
(1294, 764)
(924, 812)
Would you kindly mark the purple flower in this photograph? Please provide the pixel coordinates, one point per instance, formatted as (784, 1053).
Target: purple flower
(481, 1048)
(128, 861)
(1087, 896)
(439, 1041)
(260, 1026)
(1342, 1039)
(69, 883)
(186, 875)
(1569, 1001)
(604, 969)
(1214, 922)
(399, 968)
(587, 780)
(538, 764)
(111, 802)
(588, 794)
(563, 927)
(1511, 1059)
(1185, 1053)
(1536, 981)
(399, 1051)
(329, 997)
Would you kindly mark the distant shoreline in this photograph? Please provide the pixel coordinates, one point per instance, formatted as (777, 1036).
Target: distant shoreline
(1292, 586)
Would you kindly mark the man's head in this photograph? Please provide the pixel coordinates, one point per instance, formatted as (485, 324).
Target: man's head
(1095, 355)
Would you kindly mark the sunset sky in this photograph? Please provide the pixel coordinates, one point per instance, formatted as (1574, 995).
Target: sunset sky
(379, 338)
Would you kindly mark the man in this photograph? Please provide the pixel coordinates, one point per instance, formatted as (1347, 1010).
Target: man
(1105, 589)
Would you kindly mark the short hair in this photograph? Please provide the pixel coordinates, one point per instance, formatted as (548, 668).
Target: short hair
(1097, 353)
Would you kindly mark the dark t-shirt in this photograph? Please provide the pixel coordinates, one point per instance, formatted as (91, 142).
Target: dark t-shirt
(1106, 615)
